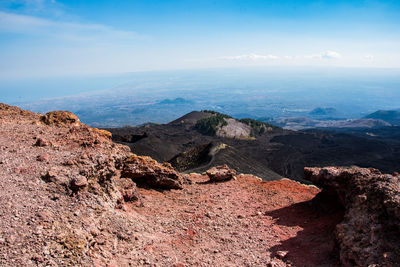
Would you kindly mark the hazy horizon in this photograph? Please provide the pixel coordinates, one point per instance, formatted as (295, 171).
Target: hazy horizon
(253, 92)
(16, 91)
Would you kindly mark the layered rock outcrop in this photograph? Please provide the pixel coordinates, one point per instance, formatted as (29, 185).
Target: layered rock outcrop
(221, 173)
(148, 172)
(61, 118)
(369, 234)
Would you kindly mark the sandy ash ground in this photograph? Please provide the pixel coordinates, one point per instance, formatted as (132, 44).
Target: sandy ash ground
(60, 205)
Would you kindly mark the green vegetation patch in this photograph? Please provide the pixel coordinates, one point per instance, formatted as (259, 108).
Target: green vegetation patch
(258, 127)
(210, 125)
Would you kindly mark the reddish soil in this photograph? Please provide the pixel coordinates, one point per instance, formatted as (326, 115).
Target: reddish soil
(240, 222)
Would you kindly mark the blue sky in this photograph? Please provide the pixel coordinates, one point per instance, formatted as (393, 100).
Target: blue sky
(40, 38)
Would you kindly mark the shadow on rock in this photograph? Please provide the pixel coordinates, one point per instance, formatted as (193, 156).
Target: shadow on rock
(314, 242)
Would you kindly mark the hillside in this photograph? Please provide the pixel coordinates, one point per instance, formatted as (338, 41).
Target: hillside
(206, 146)
(262, 152)
(302, 123)
(217, 124)
(323, 112)
(390, 116)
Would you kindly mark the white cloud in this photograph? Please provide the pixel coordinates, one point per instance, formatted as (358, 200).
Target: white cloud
(256, 57)
(30, 25)
(369, 57)
(331, 54)
(324, 55)
(250, 57)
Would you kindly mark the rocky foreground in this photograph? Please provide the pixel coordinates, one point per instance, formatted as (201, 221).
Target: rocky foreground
(370, 230)
(70, 196)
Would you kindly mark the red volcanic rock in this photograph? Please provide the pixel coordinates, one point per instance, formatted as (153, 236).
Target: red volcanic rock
(40, 171)
(41, 142)
(220, 173)
(13, 112)
(148, 172)
(369, 234)
(50, 176)
(281, 254)
(61, 118)
(128, 189)
(102, 133)
(43, 157)
(79, 182)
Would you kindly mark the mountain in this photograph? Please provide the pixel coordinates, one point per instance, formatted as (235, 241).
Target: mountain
(390, 116)
(268, 153)
(176, 101)
(200, 140)
(323, 112)
(191, 118)
(301, 123)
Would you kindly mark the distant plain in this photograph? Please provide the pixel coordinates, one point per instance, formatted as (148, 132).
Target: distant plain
(260, 93)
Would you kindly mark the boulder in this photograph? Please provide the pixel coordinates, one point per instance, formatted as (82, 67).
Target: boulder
(61, 118)
(220, 173)
(102, 133)
(57, 179)
(79, 182)
(41, 142)
(43, 157)
(145, 171)
(369, 234)
(128, 189)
